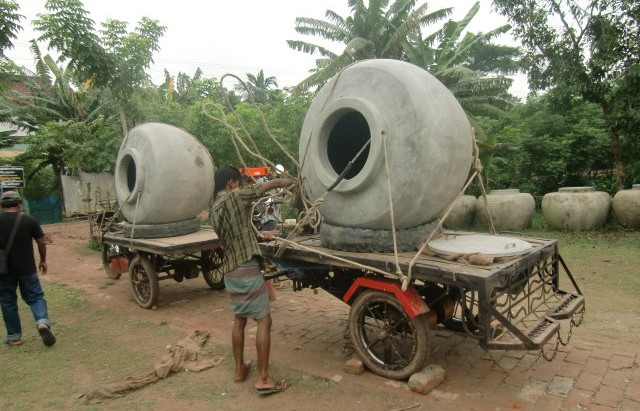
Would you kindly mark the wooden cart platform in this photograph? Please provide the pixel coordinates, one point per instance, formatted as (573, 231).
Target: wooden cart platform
(149, 260)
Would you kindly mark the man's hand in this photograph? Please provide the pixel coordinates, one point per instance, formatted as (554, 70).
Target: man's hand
(267, 235)
(43, 267)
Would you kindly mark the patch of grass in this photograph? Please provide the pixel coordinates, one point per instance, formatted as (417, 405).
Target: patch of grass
(608, 257)
(89, 352)
(91, 247)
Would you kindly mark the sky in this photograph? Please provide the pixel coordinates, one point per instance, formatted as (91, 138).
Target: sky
(234, 36)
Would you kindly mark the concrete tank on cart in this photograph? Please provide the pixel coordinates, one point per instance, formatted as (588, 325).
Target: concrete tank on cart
(163, 179)
(391, 111)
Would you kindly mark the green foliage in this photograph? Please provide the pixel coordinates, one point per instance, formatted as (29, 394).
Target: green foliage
(589, 51)
(42, 183)
(374, 30)
(54, 95)
(69, 145)
(111, 58)
(9, 24)
(542, 148)
(259, 89)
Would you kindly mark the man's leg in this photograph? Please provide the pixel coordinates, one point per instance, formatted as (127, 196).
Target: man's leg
(32, 294)
(9, 304)
(263, 348)
(237, 341)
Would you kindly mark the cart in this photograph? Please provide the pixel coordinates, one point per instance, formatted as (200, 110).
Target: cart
(514, 304)
(150, 260)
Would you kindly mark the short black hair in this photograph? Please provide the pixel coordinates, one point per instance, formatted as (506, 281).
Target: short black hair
(223, 175)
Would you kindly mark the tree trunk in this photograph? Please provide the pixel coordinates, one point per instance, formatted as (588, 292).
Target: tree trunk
(616, 148)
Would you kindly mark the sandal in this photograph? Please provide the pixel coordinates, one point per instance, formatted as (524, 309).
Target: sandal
(277, 387)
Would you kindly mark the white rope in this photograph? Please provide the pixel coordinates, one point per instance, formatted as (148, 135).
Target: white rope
(391, 212)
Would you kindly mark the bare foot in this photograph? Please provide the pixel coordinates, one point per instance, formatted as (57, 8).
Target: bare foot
(242, 375)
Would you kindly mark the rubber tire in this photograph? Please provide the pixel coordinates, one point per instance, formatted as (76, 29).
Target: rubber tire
(106, 261)
(213, 274)
(160, 230)
(366, 303)
(141, 271)
(365, 240)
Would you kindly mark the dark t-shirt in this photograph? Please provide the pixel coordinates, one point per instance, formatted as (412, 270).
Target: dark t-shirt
(21, 257)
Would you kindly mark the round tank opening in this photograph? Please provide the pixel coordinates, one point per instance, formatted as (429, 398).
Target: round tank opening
(130, 169)
(348, 136)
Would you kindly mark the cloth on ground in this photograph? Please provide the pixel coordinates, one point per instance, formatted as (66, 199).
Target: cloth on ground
(189, 354)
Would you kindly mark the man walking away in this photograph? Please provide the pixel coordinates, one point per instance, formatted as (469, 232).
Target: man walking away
(22, 272)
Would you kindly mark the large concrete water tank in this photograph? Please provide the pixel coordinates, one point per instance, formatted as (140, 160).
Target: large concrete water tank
(576, 208)
(391, 105)
(163, 176)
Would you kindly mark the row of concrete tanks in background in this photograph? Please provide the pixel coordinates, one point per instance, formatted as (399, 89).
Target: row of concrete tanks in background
(570, 208)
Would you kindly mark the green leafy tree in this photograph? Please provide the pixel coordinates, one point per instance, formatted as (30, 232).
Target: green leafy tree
(9, 24)
(9, 27)
(544, 149)
(65, 146)
(111, 58)
(54, 95)
(377, 29)
(589, 50)
(468, 64)
(263, 89)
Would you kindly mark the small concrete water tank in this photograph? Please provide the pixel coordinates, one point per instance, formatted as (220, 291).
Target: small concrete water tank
(163, 179)
(626, 206)
(576, 208)
(510, 210)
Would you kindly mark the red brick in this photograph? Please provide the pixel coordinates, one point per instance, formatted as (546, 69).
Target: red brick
(578, 356)
(518, 377)
(628, 405)
(619, 362)
(596, 366)
(549, 402)
(589, 382)
(616, 379)
(633, 391)
(577, 399)
(608, 396)
(602, 353)
(599, 407)
(567, 369)
(543, 372)
(528, 361)
(490, 381)
(507, 363)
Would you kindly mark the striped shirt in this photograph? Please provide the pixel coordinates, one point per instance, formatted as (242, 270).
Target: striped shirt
(231, 220)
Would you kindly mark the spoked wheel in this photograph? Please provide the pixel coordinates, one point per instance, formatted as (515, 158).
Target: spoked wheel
(113, 262)
(144, 282)
(212, 268)
(465, 312)
(387, 340)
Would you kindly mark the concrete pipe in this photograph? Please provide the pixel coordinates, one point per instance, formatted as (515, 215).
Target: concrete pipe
(375, 106)
(163, 175)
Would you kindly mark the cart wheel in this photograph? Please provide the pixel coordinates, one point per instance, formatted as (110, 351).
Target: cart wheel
(212, 269)
(464, 311)
(111, 263)
(387, 340)
(144, 282)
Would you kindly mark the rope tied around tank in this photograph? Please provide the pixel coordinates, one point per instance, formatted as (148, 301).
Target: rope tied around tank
(311, 215)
